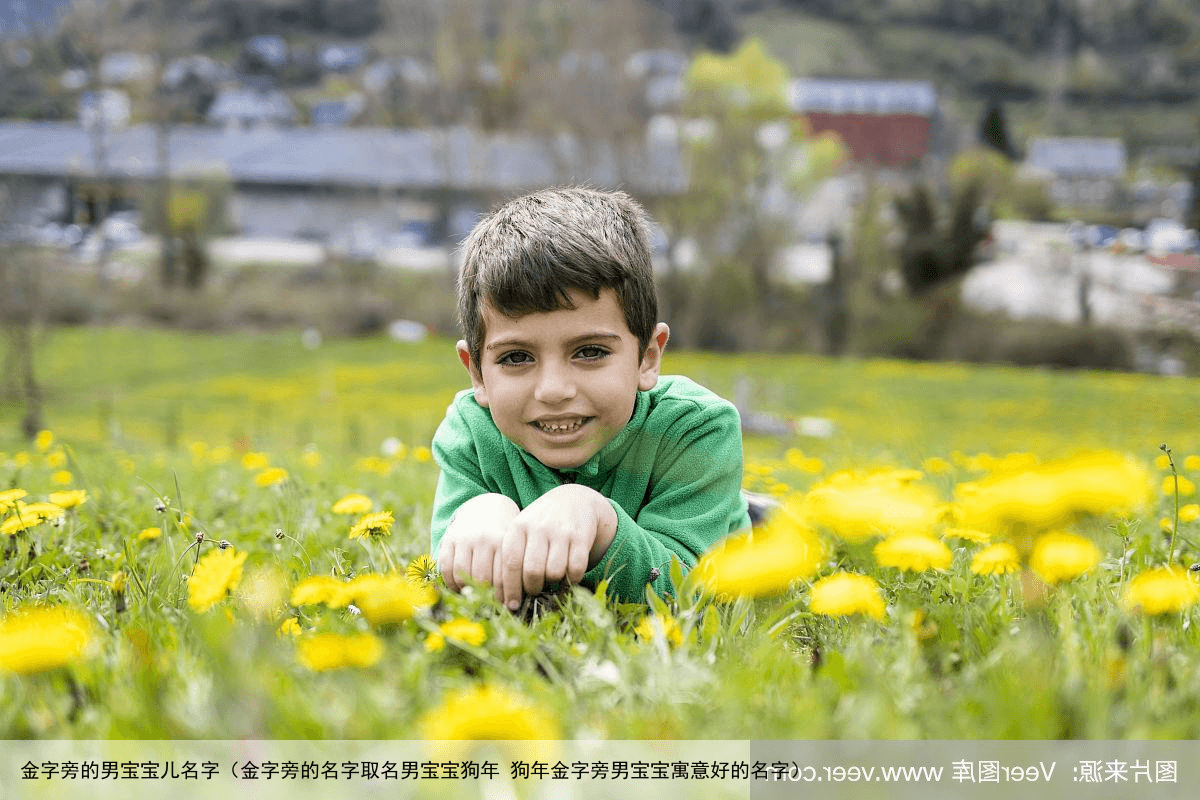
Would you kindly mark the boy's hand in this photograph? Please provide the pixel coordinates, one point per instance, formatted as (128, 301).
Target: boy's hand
(470, 549)
(560, 535)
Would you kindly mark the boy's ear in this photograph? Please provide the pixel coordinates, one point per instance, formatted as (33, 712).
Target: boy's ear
(464, 355)
(652, 358)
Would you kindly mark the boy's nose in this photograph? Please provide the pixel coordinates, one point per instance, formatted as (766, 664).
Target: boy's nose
(554, 384)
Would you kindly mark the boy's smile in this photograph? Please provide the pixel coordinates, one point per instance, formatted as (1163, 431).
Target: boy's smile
(562, 384)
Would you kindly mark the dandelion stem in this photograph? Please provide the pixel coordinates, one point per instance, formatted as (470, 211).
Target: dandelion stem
(387, 553)
(307, 557)
(1175, 526)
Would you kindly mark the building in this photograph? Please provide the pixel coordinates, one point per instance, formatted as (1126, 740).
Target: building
(313, 183)
(884, 123)
(1081, 171)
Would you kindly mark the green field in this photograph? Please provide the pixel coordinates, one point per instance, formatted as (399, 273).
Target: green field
(183, 433)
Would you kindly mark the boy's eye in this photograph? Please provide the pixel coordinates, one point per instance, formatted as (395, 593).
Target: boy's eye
(514, 358)
(591, 352)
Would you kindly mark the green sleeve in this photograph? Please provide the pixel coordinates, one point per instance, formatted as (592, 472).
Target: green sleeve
(694, 499)
(461, 477)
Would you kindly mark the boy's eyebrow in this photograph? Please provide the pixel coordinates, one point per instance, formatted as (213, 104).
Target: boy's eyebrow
(522, 343)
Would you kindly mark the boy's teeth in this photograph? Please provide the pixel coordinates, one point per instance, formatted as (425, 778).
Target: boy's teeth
(560, 428)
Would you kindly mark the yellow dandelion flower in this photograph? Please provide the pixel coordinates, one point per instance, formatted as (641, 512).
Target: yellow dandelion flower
(377, 524)
(1049, 495)
(380, 466)
(386, 599)
(665, 626)
(69, 498)
(857, 506)
(421, 454)
(1163, 461)
(271, 476)
(487, 712)
(43, 441)
(62, 477)
(28, 515)
(794, 457)
(968, 535)
(220, 454)
(463, 630)
(913, 552)
(290, 627)
(333, 651)
(846, 593)
(150, 533)
(1192, 463)
(813, 465)
(996, 559)
(1189, 513)
(198, 450)
(9, 498)
(937, 466)
(353, 504)
(761, 562)
(21, 459)
(422, 570)
(1060, 556)
(215, 576)
(1186, 487)
(1165, 524)
(320, 590)
(252, 462)
(434, 642)
(1162, 591)
(311, 458)
(56, 459)
(40, 639)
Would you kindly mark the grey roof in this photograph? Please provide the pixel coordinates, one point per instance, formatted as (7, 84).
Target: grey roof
(455, 158)
(862, 97)
(1079, 157)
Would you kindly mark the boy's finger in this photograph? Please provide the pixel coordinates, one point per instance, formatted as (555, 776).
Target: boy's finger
(512, 561)
(577, 562)
(446, 566)
(556, 559)
(498, 575)
(462, 565)
(534, 573)
(482, 562)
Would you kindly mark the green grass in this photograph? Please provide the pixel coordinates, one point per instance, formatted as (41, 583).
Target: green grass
(140, 415)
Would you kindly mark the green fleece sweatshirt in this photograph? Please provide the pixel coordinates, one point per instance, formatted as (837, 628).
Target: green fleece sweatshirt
(673, 476)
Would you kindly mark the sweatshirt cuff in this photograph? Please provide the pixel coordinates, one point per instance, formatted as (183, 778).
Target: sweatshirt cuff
(627, 573)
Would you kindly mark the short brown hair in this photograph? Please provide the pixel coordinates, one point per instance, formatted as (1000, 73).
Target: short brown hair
(525, 256)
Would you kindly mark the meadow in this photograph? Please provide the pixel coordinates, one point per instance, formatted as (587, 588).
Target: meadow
(221, 537)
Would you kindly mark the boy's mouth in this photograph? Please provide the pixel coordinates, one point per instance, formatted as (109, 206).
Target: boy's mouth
(560, 426)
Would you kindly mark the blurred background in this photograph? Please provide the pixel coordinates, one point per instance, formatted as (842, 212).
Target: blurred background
(975, 180)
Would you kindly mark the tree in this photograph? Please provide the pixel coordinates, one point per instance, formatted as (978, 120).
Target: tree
(740, 143)
(937, 251)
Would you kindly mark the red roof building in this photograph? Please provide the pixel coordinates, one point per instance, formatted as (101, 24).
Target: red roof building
(883, 123)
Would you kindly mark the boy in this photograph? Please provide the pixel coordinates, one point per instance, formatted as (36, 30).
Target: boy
(569, 459)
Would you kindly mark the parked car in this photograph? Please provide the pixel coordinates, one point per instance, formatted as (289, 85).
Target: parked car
(1100, 236)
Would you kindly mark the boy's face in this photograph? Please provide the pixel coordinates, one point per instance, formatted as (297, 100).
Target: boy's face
(562, 384)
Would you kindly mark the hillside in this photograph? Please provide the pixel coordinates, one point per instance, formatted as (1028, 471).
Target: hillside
(1123, 68)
